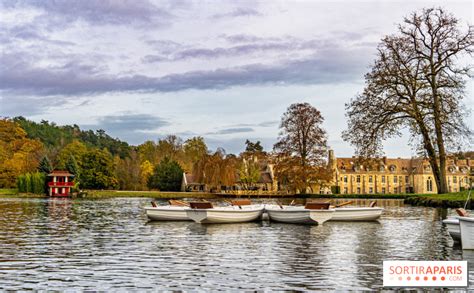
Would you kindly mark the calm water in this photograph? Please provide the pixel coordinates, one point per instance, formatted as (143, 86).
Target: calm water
(109, 244)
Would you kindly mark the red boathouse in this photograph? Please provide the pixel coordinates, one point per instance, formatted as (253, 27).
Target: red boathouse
(60, 183)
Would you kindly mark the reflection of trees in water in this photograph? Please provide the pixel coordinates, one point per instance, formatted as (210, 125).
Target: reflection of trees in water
(300, 252)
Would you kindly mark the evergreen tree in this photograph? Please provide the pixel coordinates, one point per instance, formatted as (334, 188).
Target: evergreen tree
(71, 166)
(167, 176)
(45, 166)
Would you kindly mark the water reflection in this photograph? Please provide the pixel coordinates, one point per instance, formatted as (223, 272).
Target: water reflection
(60, 244)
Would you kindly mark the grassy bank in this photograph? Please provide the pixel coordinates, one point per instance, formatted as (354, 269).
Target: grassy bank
(447, 200)
(8, 191)
(153, 194)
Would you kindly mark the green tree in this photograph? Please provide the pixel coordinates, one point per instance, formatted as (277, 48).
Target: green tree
(98, 170)
(45, 166)
(167, 176)
(28, 187)
(249, 172)
(253, 147)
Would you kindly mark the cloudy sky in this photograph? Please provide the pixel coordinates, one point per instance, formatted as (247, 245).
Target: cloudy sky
(223, 70)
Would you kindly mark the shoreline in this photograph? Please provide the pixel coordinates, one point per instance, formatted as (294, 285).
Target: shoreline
(450, 200)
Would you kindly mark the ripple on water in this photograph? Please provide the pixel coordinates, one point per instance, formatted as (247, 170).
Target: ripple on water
(108, 244)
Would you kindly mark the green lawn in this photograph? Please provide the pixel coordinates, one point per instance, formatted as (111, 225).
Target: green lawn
(8, 191)
(154, 194)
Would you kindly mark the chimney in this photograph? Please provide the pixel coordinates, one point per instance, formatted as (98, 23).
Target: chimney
(385, 160)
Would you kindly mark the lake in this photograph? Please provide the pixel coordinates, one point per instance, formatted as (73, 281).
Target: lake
(81, 244)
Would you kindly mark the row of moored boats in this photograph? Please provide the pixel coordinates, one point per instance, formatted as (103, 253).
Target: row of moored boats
(239, 211)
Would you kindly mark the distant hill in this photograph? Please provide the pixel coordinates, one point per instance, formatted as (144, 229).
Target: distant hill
(54, 136)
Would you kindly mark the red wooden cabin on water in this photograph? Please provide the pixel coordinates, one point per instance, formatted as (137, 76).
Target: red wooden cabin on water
(60, 183)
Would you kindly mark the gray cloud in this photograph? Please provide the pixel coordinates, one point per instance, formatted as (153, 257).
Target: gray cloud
(98, 12)
(133, 128)
(232, 130)
(238, 12)
(74, 78)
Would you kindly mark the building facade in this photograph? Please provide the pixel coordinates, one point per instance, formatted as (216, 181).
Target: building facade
(60, 183)
(394, 176)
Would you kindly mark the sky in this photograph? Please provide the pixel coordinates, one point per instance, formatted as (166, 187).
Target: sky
(224, 70)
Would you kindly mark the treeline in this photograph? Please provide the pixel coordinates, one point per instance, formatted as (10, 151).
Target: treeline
(101, 162)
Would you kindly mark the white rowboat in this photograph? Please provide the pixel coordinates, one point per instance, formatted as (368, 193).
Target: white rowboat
(452, 224)
(467, 232)
(357, 214)
(230, 214)
(298, 214)
(167, 213)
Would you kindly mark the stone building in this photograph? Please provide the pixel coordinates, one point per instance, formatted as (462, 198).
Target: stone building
(388, 175)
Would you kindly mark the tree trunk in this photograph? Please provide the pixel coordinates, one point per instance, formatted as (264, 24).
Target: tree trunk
(442, 184)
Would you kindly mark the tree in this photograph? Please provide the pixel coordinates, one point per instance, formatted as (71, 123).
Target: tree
(253, 147)
(146, 169)
(194, 149)
(249, 172)
(45, 166)
(167, 176)
(415, 84)
(72, 167)
(301, 146)
(98, 170)
(216, 170)
(75, 149)
(128, 172)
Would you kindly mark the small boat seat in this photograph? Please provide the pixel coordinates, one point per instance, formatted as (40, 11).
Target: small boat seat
(317, 205)
(241, 202)
(178, 203)
(373, 204)
(201, 205)
(462, 212)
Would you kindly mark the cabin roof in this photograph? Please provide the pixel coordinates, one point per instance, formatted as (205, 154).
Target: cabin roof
(61, 173)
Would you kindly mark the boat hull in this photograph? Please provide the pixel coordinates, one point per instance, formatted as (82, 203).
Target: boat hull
(357, 214)
(452, 224)
(167, 213)
(467, 232)
(298, 215)
(226, 215)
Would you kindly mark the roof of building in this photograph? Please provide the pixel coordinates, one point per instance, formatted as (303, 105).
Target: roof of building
(398, 165)
(265, 177)
(61, 173)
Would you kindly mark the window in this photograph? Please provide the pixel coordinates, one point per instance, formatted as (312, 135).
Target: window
(383, 190)
(370, 179)
(455, 179)
(358, 179)
(395, 179)
(406, 180)
(345, 190)
(429, 184)
(358, 190)
(345, 179)
(383, 180)
(371, 190)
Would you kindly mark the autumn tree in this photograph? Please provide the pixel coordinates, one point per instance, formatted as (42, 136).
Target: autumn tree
(128, 172)
(217, 169)
(301, 147)
(417, 84)
(18, 153)
(194, 149)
